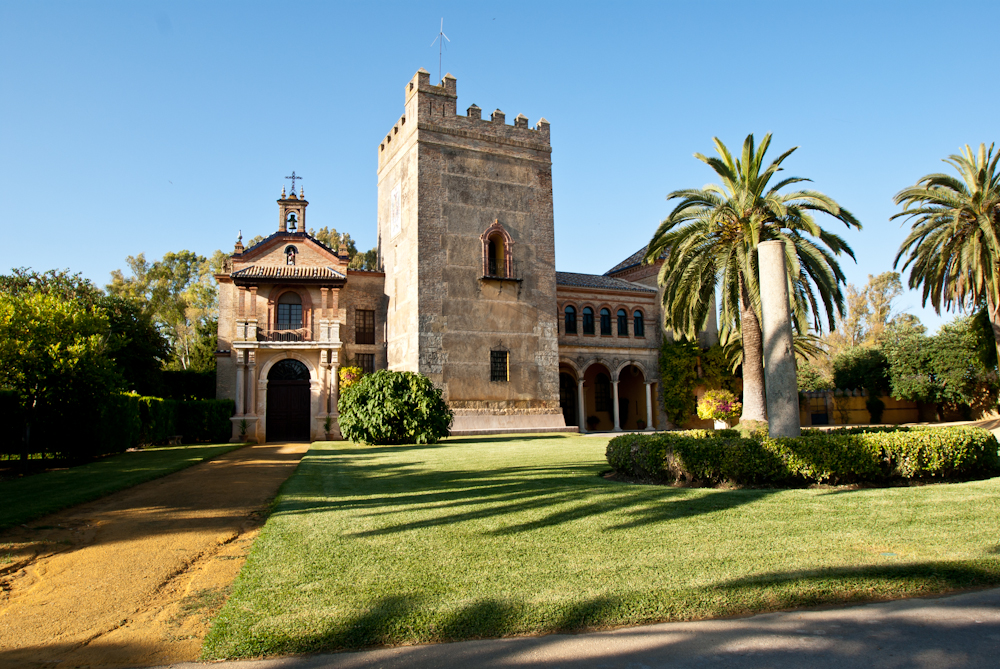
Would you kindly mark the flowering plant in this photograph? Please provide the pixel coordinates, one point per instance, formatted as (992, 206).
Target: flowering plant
(719, 405)
(348, 375)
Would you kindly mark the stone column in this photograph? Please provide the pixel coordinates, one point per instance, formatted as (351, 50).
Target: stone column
(614, 403)
(251, 405)
(649, 405)
(581, 406)
(240, 392)
(779, 354)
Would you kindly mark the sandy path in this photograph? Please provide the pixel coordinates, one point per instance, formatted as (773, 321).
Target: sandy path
(132, 579)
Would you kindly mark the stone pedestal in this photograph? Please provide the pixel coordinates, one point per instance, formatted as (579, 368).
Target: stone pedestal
(779, 353)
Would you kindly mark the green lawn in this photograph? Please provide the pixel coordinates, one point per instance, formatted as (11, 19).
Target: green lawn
(34, 496)
(493, 537)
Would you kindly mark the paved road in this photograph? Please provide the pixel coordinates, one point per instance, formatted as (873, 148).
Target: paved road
(958, 631)
(132, 579)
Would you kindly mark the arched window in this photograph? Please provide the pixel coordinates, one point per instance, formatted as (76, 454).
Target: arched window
(289, 312)
(288, 370)
(605, 322)
(497, 259)
(622, 323)
(495, 265)
(588, 321)
(602, 393)
(570, 323)
(637, 326)
(290, 253)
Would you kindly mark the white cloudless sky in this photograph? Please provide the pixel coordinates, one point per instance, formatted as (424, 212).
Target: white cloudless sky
(130, 127)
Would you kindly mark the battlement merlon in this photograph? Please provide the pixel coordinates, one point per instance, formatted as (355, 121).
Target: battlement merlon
(430, 105)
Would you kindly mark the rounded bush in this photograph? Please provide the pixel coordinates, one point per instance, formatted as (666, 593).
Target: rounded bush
(393, 408)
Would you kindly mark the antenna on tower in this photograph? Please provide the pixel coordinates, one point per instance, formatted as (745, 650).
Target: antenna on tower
(440, 42)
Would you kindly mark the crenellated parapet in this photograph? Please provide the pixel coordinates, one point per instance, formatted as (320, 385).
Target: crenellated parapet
(433, 108)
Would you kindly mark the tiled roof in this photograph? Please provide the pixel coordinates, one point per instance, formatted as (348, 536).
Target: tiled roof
(598, 281)
(287, 272)
(633, 260)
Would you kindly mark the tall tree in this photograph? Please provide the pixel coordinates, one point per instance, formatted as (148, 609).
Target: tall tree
(178, 291)
(710, 240)
(953, 249)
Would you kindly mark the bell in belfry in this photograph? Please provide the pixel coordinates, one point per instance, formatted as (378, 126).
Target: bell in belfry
(291, 222)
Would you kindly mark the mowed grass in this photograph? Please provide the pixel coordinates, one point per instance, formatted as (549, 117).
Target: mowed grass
(30, 497)
(494, 537)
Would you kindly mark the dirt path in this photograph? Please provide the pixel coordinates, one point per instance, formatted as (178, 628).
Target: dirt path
(132, 579)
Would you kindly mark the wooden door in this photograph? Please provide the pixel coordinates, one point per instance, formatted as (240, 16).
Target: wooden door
(288, 411)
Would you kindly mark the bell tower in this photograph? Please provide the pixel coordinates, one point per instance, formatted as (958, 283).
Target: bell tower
(292, 209)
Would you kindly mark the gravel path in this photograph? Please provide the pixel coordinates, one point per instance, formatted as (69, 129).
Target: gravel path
(133, 579)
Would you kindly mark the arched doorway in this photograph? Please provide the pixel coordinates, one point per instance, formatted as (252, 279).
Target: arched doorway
(598, 397)
(567, 398)
(632, 398)
(288, 401)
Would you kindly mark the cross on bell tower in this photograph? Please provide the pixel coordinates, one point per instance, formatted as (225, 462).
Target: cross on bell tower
(292, 209)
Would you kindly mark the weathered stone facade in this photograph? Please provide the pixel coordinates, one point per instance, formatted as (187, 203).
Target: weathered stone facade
(469, 295)
(445, 183)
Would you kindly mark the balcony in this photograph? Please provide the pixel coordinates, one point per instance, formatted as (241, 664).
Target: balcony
(285, 332)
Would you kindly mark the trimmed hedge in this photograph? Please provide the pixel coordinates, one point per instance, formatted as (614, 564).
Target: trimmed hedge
(122, 422)
(839, 456)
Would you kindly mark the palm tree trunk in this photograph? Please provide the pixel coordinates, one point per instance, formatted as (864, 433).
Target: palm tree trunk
(754, 403)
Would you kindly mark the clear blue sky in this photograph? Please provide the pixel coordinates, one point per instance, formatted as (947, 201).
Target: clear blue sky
(131, 127)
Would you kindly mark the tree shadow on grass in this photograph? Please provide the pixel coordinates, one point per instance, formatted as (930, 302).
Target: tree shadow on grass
(416, 618)
(570, 492)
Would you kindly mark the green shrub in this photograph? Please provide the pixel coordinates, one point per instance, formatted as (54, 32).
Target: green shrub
(188, 384)
(393, 408)
(119, 427)
(158, 419)
(695, 456)
(838, 456)
(205, 420)
(11, 423)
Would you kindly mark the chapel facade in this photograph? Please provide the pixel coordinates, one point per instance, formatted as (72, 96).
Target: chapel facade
(468, 295)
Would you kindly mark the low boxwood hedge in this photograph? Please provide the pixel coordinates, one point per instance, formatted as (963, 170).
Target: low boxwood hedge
(840, 456)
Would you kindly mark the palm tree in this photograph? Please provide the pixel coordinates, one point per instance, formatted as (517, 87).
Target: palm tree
(953, 245)
(710, 241)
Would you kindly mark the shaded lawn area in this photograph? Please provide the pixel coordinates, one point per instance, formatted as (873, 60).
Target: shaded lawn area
(31, 497)
(485, 537)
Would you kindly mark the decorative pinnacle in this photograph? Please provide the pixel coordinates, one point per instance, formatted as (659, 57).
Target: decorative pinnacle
(283, 193)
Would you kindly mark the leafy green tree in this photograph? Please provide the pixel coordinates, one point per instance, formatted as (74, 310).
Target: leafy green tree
(945, 369)
(59, 282)
(179, 293)
(53, 354)
(710, 240)
(809, 377)
(135, 345)
(861, 367)
(393, 408)
(678, 377)
(953, 249)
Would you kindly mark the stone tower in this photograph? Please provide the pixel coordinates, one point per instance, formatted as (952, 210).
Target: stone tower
(465, 230)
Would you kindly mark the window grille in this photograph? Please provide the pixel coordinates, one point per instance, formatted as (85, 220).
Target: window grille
(638, 327)
(588, 321)
(499, 367)
(366, 361)
(605, 322)
(622, 323)
(570, 326)
(364, 327)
